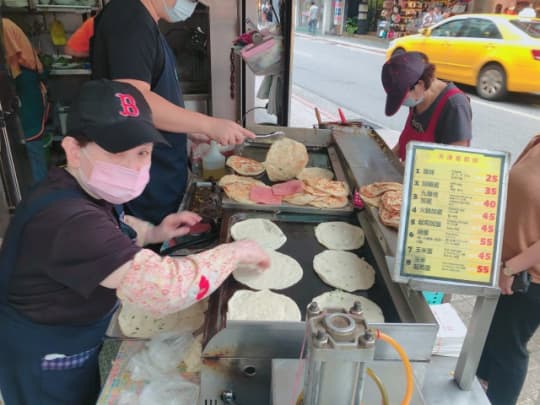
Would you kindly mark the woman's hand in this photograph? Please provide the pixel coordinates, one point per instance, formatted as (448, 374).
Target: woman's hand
(172, 226)
(250, 253)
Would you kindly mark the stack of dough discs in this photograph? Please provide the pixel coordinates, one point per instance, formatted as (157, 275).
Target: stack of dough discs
(344, 270)
(263, 305)
(136, 323)
(285, 159)
(263, 231)
(283, 272)
(315, 172)
(339, 235)
(339, 299)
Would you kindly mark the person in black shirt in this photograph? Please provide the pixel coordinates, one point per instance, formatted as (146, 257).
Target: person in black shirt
(128, 47)
(65, 260)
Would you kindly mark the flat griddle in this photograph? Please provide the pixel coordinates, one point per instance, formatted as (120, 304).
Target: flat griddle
(303, 246)
(319, 156)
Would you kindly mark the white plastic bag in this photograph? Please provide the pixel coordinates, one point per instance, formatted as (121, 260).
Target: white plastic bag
(161, 356)
(170, 391)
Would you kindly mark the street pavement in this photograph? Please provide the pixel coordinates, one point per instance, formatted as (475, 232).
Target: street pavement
(346, 72)
(332, 72)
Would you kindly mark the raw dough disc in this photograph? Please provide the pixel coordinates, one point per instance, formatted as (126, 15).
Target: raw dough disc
(315, 172)
(136, 323)
(344, 270)
(263, 231)
(341, 299)
(263, 305)
(339, 235)
(283, 272)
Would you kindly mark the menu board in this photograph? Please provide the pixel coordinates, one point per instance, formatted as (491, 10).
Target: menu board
(452, 214)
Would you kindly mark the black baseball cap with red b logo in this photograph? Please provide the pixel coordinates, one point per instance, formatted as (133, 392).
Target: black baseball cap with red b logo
(114, 115)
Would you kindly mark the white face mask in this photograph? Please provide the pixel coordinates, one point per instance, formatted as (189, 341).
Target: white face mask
(411, 102)
(181, 11)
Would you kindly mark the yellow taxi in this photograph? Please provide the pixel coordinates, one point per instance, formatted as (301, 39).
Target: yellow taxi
(496, 53)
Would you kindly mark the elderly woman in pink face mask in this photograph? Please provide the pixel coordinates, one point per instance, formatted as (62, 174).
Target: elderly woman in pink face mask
(65, 261)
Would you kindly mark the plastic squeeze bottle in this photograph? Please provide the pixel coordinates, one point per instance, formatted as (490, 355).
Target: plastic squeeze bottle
(213, 163)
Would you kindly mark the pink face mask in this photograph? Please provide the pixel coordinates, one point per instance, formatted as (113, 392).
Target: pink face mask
(114, 183)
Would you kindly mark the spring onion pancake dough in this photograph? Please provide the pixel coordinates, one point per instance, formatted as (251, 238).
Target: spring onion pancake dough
(138, 324)
(263, 305)
(339, 235)
(341, 299)
(263, 231)
(285, 159)
(315, 172)
(344, 270)
(284, 272)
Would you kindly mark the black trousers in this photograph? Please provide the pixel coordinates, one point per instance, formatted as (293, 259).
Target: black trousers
(505, 357)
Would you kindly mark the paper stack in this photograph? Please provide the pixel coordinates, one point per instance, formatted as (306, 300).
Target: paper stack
(451, 332)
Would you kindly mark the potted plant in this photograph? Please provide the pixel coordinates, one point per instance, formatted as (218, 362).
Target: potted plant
(351, 26)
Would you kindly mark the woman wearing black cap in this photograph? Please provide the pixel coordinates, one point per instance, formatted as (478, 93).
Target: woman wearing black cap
(438, 111)
(57, 293)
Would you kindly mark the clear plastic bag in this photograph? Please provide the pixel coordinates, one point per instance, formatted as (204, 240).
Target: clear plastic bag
(160, 357)
(170, 391)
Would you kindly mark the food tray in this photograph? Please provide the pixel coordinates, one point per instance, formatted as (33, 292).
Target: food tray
(324, 157)
(303, 246)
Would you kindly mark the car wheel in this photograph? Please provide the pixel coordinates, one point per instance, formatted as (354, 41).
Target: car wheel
(398, 51)
(491, 82)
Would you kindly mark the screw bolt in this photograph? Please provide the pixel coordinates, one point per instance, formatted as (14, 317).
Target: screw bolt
(356, 309)
(313, 308)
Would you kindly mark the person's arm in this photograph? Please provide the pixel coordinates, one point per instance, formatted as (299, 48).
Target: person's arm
(172, 226)
(170, 117)
(520, 262)
(163, 285)
(78, 44)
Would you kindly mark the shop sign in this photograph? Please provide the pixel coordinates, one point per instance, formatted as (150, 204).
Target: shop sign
(338, 12)
(452, 219)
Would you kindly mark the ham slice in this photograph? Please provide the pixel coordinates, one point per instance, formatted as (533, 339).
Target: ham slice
(288, 188)
(264, 195)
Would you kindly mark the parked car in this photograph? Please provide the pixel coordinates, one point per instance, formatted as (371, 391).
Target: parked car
(496, 53)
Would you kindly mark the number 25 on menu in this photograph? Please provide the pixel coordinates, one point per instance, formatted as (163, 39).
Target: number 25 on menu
(452, 214)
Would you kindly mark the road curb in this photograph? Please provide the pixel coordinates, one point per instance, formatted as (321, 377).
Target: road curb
(375, 49)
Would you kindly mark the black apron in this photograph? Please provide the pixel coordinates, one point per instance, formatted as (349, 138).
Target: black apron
(168, 173)
(27, 375)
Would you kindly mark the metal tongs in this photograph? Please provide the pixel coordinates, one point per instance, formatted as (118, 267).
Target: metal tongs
(275, 134)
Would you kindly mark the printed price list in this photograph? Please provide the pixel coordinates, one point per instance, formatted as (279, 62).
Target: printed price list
(452, 217)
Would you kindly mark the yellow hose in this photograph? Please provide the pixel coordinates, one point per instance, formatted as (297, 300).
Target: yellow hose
(406, 363)
(379, 384)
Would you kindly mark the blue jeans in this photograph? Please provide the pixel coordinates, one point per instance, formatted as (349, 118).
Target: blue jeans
(505, 358)
(37, 158)
(312, 26)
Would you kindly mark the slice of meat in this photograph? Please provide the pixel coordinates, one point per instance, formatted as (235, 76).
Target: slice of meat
(288, 188)
(264, 195)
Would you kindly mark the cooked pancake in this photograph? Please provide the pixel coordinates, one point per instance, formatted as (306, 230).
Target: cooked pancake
(245, 166)
(285, 159)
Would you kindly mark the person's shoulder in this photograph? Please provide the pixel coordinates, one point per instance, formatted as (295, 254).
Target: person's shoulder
(128, 16)
(459, 98)
(73, 201)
